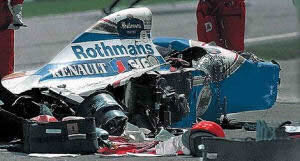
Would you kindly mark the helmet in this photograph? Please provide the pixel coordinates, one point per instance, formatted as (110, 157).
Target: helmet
(210, 127)
(193, 137)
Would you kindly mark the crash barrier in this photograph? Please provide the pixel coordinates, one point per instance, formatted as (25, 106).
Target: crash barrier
(72, 136)
(106, 110)
(234, 150)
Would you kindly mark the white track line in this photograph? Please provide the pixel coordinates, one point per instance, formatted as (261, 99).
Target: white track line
(272, 37)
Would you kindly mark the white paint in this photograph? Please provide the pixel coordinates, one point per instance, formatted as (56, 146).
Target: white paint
(272, 37)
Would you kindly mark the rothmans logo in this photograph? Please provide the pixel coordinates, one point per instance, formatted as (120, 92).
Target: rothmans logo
(101, 50)
(128, 25)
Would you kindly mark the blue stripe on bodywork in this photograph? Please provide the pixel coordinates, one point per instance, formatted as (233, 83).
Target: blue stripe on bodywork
(86, 37)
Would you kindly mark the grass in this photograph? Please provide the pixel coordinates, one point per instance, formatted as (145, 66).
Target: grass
(46, 7)
(277, 50)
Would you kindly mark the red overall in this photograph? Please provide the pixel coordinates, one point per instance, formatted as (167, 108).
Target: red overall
(6, 38)
(222, 21)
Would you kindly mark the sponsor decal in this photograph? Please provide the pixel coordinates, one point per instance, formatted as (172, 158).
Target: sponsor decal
(204, 100)
(53, 131)
(95, 68)
(208, 26)
(101, 50)
(130, 27)
(97, 59)
(139, 63)
(72, 128)
(117, 66)
(79, 70)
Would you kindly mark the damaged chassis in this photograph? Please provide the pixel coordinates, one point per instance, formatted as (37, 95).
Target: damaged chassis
(193, 81)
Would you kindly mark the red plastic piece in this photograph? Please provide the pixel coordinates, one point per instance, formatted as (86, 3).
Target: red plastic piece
(210, 127)
(124, 147)
(44, 118)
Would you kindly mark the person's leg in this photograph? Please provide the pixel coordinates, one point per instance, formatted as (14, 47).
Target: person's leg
(6, 52)
(233, 29)
(207, 24)
(6, 63)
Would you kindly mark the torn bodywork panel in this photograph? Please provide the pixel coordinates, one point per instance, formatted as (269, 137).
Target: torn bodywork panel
(237, 84)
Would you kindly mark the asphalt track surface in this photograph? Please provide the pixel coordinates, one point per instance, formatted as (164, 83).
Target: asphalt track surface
(45, 36)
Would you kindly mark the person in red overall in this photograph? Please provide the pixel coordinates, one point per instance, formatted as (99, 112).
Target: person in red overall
(222, 22)
(15, 107)
(10, 20)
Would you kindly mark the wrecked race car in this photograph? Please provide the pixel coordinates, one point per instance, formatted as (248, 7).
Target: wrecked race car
(115, 72)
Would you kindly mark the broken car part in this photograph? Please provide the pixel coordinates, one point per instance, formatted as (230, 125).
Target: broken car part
(216, 148)
(73, 136)
(107, 111)
(158, 99)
